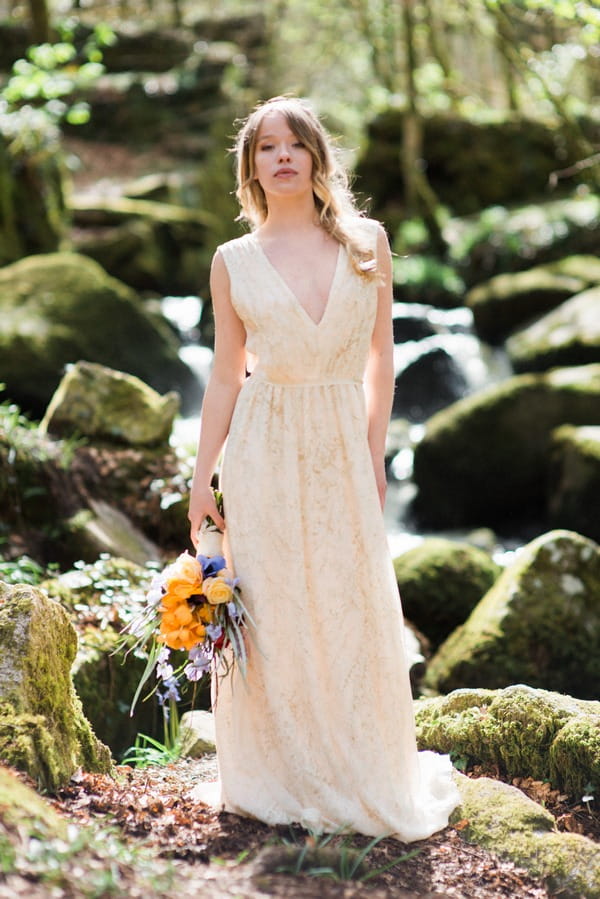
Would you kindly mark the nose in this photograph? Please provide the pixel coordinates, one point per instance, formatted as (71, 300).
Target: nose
(284, 151)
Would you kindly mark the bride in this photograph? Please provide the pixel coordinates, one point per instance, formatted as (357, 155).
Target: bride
(321, 730)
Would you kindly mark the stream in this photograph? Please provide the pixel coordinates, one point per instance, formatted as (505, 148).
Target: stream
(437, 360)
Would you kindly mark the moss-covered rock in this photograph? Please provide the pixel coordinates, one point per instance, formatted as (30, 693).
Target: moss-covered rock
(42, 727)
(470, 164)
(519, 731)
(509, 300)
(499, 817)
(49, 494)
(101, 599)
(18, 802)
(574, 480)
(569, 335)
(440, 582)
(97, 402)
(149, 245)
(23, 815)
(510, 240)
(101, 529)
(539, 624)
(61, 308)
(483, 460)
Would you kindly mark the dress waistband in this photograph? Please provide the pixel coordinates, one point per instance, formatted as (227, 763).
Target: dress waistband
(321, 382)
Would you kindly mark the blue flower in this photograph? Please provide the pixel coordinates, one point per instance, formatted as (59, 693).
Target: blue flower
(211, 565)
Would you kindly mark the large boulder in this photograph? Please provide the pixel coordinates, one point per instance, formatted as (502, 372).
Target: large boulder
(539, 624)
(42, 727)
(569, 335)
(469, 164)
(507, 301)
(574, 480)
(61, 308)
(518, 731)
(484, 459)
(149, 245)
(502, 239)
(62, 502)
(96, 402)
(500, 818)
(441, 581)
(430, 381)
(173, 108)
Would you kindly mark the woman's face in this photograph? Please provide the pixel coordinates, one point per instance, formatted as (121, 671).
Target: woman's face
(282, 164)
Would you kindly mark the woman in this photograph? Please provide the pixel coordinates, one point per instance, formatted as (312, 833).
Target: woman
(321, 730)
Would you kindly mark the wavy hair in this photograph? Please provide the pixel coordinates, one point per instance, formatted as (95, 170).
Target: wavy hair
(334, 202)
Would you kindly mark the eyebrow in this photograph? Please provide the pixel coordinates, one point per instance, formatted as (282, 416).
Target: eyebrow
(271, 136)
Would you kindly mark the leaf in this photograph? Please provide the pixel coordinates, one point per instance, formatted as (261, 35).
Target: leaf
(150, 666)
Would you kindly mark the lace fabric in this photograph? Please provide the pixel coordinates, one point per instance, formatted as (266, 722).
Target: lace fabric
(321, 732)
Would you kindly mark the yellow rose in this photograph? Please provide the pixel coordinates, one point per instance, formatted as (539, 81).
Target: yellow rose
(217, 590)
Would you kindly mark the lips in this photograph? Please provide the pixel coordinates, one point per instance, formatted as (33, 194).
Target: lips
(285, 172)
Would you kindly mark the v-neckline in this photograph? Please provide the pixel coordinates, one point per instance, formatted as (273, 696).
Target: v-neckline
(297, 302)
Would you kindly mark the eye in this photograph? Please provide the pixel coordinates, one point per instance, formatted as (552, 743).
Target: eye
(298, 143)
(266, 146)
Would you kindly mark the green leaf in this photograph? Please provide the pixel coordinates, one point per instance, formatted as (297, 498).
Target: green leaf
(78, 114)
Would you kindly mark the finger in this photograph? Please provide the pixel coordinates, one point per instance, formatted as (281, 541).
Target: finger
(217, 518)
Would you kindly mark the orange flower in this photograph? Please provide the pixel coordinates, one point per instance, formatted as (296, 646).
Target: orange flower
(184, 577)
(179, 636)
(206, 613)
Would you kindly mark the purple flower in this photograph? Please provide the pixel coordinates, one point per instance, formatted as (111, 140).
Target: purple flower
(200, 655)
(233, 610)
(214, 631)
(171, 691)
(164, 671)
(194, 672)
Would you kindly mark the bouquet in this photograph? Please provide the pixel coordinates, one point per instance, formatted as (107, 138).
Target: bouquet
(194, 605)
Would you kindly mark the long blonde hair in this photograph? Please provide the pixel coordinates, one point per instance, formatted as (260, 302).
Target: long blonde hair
(338, 214)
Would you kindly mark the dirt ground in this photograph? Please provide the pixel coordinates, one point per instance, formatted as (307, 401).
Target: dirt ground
(218, 855)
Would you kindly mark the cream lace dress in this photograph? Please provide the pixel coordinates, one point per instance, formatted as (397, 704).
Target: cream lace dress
(321, 732)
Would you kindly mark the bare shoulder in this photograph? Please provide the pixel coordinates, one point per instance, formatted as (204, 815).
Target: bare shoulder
(218, 268)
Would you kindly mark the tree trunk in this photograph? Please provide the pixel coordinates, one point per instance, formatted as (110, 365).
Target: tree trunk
(39, 30)
(419, 195)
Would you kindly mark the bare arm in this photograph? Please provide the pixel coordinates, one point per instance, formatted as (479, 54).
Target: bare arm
(226, 379)
(379, 376)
